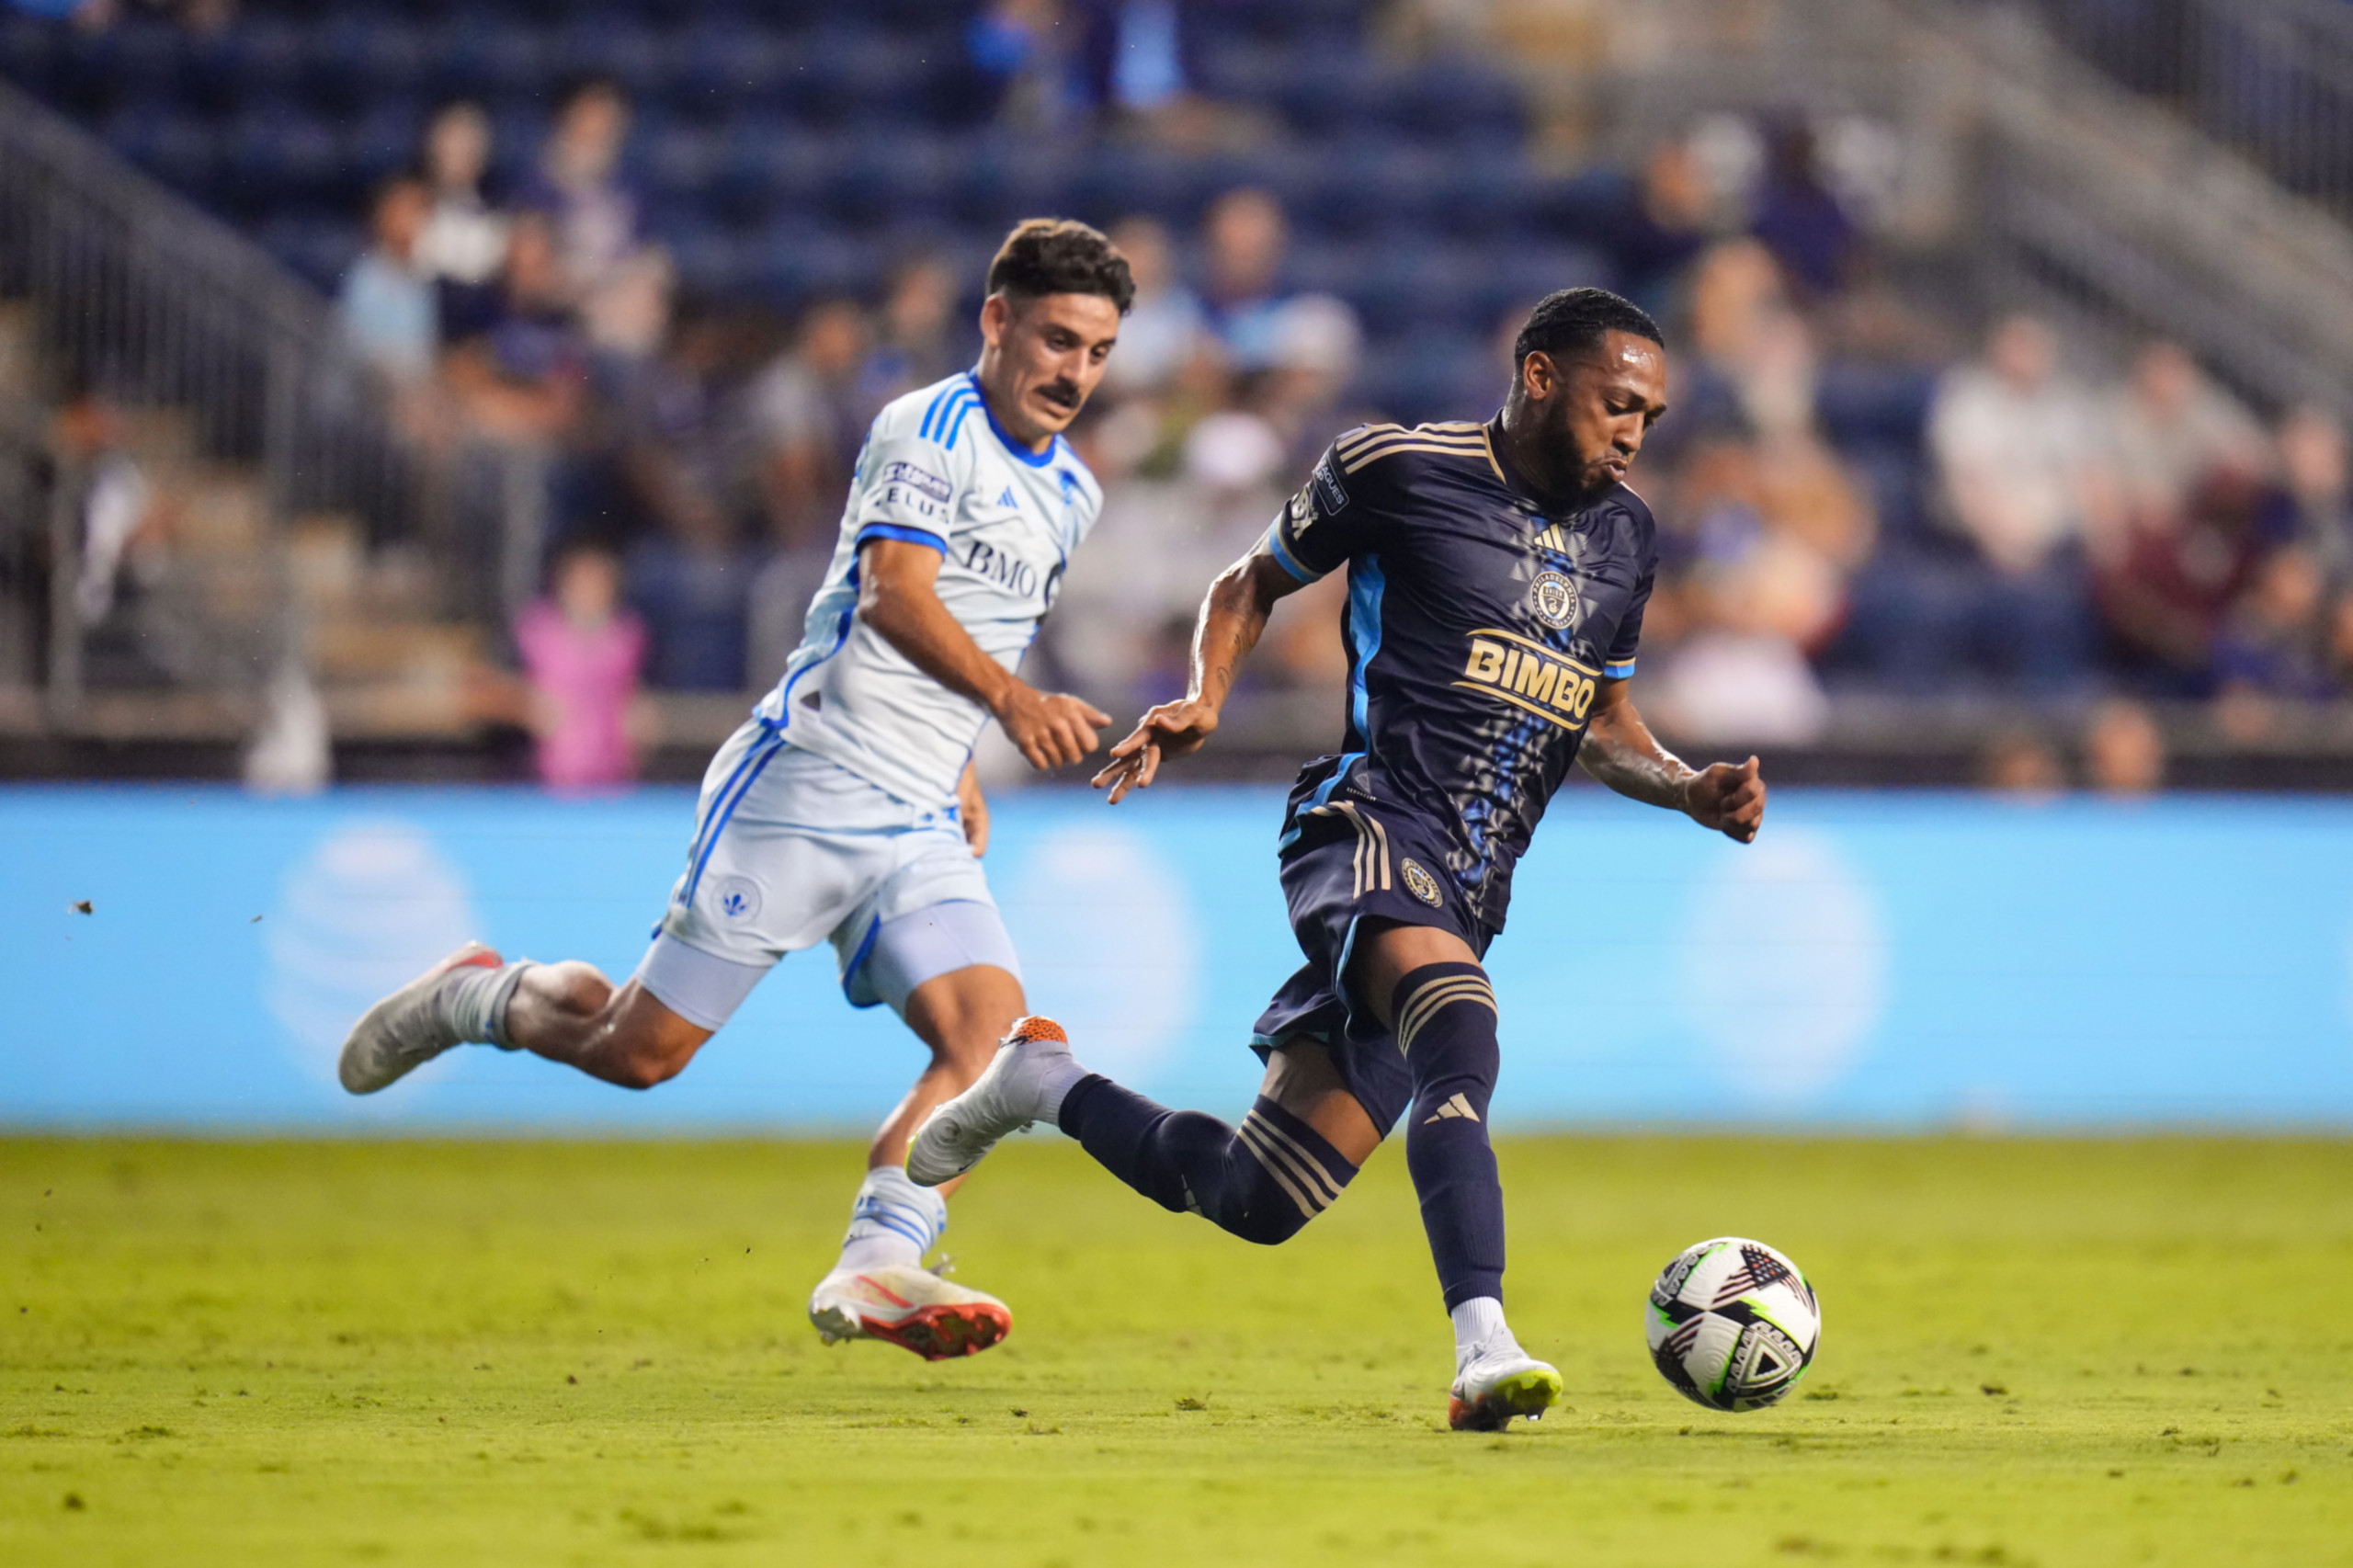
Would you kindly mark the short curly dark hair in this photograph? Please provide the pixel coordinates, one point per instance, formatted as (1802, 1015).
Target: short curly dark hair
(1571, 319)
(1060, 255)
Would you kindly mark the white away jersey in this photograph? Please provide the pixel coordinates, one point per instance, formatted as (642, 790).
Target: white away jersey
(936, 470)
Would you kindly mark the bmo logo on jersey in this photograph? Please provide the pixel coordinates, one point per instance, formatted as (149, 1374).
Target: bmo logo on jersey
(1004, 568)
(1529, 676)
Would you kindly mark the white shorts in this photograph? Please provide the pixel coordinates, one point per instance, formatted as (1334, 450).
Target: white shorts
(791, 849)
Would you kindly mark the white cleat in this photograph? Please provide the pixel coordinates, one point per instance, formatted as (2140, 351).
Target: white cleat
(909, 1306)
(1009, 1094)
(406, 1030)
(1500, 1381)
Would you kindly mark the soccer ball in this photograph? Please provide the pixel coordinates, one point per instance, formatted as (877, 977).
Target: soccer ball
(1732, 1324)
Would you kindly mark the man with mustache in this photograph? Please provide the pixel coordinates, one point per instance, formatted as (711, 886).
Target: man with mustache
(846, 808)
(1497, 578)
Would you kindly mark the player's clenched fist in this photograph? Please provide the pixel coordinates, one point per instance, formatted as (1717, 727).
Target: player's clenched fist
(1729, 799)
(1172, 729)
(1051, 729)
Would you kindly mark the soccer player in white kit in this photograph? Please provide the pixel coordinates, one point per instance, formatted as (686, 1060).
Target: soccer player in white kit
(844, 809)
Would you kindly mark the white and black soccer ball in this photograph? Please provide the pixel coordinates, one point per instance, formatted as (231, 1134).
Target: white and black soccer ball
(1732, 1324)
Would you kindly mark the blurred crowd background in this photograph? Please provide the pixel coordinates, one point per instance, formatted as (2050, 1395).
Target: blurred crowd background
(607, 292)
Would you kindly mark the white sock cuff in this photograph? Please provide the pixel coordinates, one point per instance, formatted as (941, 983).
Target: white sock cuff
(1480, 1321)
(476, 1002)
(1057, 1076)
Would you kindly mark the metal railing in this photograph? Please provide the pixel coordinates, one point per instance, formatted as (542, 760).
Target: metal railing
(2270, 78)
(133, 295)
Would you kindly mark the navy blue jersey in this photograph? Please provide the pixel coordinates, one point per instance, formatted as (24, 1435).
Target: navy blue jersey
(1479, 625)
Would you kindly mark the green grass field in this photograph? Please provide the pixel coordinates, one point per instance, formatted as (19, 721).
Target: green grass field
(2035, 1352)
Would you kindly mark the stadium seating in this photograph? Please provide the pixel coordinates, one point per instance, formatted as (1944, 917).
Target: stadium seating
(786, 148)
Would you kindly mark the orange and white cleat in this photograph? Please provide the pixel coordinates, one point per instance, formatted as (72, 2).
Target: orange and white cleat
(911, 1307)
(408, 1029)
(1023, 1084)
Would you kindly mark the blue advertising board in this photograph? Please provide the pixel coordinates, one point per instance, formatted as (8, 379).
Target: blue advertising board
(1874, 961)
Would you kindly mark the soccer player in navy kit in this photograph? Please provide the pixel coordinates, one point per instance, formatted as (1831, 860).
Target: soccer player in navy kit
(1497, 576)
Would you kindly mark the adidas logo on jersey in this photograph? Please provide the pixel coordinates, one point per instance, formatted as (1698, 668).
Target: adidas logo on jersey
(1457, 1108)
(1006, 499)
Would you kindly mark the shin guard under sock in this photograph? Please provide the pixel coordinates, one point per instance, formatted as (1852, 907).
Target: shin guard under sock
(1446, 1025)
(1261, 1181)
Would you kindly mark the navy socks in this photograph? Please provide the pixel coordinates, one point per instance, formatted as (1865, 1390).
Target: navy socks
(1261, 1181)
(1445, 1026)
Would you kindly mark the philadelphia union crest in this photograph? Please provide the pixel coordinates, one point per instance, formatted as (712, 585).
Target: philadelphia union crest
(1556, 599)
(1420, 883)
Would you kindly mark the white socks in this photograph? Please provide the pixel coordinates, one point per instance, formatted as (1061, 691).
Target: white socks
(474, 1001)
(893, 1220)
(1479, 1325)
(1057, 1075)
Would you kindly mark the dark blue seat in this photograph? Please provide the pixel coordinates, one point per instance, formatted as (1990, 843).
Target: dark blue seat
(1007, 179)
(710, 257)
(358, 56)
(319, 247)
(32, 54)
(485, 55)
(1405, 289)
(894, 178)
(280, 155)
(793, 261)
(766, 167)
(1455, 101)
(380, 141)
(629, 51)
(1862, 404)
(181, 151)
(1116, 180)
(678, 162)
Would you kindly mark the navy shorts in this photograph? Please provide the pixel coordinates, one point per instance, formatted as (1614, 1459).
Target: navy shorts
(1348, 862)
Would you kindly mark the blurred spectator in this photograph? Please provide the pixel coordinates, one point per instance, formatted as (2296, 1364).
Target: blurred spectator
(680, 449)
(2015, 445)
(1023, 47)
(592, 215)
(2170, 431)
(1741, 675)
(1132, 53)
(801, 421)
(524, 378)
(582, 654)
(2020, 762)
(464, 242)
(2164, 588)
(1165, 329)
(1798, 217)
(2015, 448)
(915, 339)
(1656, 234)
(2124, 751)
(1317, 345)
(2271, 648)
(2338, 644)
(387, 308)
(1246, 303)
(123, 519)
(2313, 504)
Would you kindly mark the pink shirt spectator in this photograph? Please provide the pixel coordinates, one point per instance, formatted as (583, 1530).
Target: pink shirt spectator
(584, 680)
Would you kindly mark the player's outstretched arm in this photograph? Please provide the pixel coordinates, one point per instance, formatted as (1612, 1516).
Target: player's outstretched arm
(1234, 615)
(898, 598)
(1621, 750)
